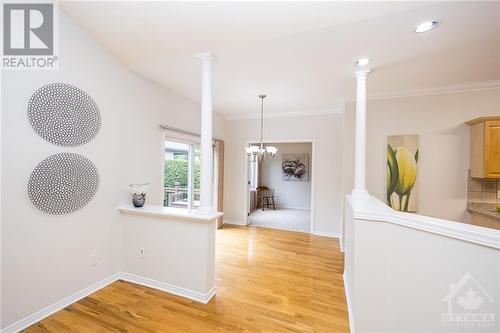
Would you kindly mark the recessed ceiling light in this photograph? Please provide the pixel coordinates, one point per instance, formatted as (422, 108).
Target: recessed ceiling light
(426, 26)
(362, 62)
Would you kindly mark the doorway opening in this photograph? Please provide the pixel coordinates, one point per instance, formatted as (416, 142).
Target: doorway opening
(280, 191)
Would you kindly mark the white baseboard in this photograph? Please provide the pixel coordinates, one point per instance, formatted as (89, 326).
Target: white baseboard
(326, 234)
(291, 207)
(235, 222)
(349, 304)
(37, 316)
(179, 291)
(51, 309)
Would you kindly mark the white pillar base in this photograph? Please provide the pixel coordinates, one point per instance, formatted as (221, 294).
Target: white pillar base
(360, 195)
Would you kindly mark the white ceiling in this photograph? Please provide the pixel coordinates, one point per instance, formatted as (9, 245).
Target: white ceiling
(299, 53)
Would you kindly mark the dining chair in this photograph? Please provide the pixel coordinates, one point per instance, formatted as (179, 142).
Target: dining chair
(265, 197)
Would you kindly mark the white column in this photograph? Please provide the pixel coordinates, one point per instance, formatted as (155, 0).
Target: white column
(206, 150)
(359, 191)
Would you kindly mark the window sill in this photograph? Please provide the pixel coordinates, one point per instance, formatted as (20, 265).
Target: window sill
(171, 213)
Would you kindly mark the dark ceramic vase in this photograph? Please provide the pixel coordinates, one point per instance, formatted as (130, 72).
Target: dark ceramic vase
(138, 199)
(138, 194)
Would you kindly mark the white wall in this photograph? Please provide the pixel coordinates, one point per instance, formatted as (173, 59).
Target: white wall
(46, 258)
(444, 145)
(289, 194)
(325, 130)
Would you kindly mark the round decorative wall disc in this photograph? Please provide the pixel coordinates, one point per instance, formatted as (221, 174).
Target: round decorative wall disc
(64, 115)
(63, 183)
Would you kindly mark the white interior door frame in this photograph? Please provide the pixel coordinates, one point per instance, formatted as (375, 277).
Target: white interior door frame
(312, 179)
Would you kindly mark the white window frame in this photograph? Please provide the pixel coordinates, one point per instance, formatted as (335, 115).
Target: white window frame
(190, 140)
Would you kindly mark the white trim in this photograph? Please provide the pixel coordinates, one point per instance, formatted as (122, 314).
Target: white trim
(169, 288)
(246, 196)
(350, 311)
(162, 165)
(269, 115)
(290, 207)
(451, 89)
(312, 217)
(279, 141)
(180, 137)
(174, 213)
(341, 243)
(326, 234)
(51, 309)
(67, 301)
(376, 210)
(438, 226)
(342, 222)
(234, 222)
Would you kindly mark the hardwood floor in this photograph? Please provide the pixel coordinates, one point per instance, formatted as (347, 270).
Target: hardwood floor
(267, 281)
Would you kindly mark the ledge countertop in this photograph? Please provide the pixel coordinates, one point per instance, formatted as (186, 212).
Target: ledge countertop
(170, 212)
(483, 208)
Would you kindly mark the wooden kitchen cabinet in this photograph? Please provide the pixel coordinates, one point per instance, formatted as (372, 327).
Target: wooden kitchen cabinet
(485, 147)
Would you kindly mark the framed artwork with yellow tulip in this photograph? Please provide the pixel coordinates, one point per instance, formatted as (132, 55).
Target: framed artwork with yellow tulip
(402, 170)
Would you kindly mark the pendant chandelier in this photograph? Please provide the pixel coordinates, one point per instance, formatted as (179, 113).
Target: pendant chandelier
(255, 153)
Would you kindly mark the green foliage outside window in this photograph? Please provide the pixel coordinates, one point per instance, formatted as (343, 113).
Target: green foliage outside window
(176, 174)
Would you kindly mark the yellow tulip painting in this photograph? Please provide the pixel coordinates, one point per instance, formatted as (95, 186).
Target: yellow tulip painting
(402, 160)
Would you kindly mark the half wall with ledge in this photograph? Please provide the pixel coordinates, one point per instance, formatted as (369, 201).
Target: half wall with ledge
(411, 272)
(171, 249)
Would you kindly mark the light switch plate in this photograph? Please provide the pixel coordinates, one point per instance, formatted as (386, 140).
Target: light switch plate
(93, 260)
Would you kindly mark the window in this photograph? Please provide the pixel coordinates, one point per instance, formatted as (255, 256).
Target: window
(181, 174)
(182, 169)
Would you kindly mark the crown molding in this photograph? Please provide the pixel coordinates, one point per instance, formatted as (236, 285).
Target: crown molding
(451, 89)
(269, 115)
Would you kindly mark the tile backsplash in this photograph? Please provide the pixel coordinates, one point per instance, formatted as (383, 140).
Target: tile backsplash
(483, 190)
